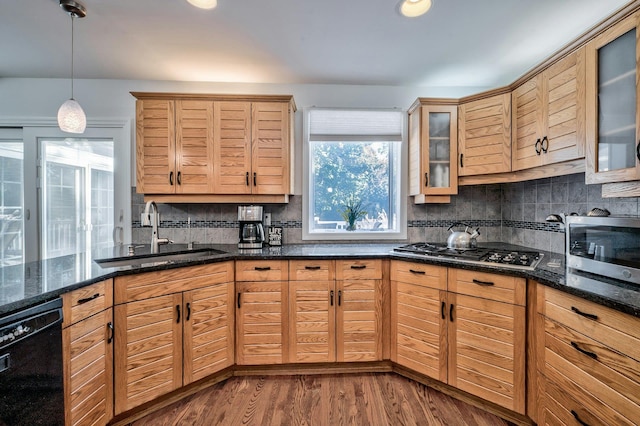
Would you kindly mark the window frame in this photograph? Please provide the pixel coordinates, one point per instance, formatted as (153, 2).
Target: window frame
(307, 197)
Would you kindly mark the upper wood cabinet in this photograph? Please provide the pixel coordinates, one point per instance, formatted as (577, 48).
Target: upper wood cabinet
(189, 147)
(484, 136)
(433, 151)
(613, 150)
(548, 119)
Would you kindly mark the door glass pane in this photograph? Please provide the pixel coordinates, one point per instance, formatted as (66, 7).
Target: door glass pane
(77, 196)
(439, 149)
(617, 103)
(11, 203)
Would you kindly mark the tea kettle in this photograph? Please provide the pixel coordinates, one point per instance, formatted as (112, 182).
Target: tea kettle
(462, 239)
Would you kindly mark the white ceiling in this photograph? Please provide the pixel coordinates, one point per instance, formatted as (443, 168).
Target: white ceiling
(488, 43)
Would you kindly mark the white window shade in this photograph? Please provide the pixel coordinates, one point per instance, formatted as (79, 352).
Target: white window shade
(355, 125)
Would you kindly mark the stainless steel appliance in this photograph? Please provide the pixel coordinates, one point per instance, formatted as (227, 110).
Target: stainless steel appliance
(507, 259)
(251, 232)
(31, 374)
(604, 246)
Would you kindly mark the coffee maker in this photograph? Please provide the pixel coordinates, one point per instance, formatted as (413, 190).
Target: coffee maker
(251, 229)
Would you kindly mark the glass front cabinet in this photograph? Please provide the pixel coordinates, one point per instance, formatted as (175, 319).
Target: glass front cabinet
(433, 150)
(613, 150)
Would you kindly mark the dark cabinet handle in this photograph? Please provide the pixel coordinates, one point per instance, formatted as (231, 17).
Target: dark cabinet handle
(426, 179)
(638, 151)
(584, 314)
(451, 312)
(88, 299)
(484, 283)
(171, 178)
(358, 266)
(575, 415)
(413, 271)
(587, 353)
(461, 162)
(538, 151)
(178, 311)
(110, 328)
(262, 268)
(331, 297)
(312, 268)
(443, 307)
(188, 311)
(339, 297)
(239, 294)
(179, 178)
(544, 146)
(255, 179)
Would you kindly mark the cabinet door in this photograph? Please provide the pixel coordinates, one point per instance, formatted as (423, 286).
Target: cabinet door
(564, 104)
(484, 136)
(613, 151)
(270, 148)
(208, 331)
(148, 350)
(358, 320)
(527, 124)
(232, 153)
(194, 147)
(312, 312)
(155, 147)
(420, 328)
(88, 370)
(433, 151)
(261, 319)
(487, 349)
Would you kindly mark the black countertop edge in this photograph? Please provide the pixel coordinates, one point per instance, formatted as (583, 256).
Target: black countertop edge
(623, 298)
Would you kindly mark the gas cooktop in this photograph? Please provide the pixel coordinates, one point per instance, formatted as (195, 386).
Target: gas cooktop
(510, 259)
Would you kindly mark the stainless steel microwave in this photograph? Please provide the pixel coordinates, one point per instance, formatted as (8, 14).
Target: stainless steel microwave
(606, 246)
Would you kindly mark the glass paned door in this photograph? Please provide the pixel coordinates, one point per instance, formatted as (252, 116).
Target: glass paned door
(77, 195)
(11, 203)
(439, 149)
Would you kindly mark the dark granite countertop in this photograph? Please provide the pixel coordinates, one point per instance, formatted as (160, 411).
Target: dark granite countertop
(31, 283)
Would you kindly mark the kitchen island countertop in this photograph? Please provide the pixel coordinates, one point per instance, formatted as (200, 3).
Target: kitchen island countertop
(31, 283)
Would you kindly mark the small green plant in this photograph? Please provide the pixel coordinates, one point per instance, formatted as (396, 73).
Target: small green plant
(353, 210)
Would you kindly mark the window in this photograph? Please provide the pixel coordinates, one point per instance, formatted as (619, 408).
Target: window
(353, 164)
(11, 202)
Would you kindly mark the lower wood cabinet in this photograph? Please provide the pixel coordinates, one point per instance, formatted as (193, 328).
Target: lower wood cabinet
(589, 359)
(87, 345)
(165, 338)
(335, 320)
(462, 327)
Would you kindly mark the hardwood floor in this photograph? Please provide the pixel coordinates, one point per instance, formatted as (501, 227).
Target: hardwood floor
(352, 399)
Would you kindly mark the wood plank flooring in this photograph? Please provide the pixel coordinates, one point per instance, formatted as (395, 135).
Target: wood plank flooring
(326, 400)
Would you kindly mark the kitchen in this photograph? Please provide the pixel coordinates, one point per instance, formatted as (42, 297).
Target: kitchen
(508, 212)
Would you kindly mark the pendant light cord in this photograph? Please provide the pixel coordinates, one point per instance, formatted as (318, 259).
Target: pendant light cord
(72, 19)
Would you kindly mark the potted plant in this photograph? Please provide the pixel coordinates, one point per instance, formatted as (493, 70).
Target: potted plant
(353, 210)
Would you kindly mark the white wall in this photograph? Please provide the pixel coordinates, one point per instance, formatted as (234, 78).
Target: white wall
(23, 99)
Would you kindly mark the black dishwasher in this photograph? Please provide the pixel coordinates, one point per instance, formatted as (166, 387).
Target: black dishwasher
(31, 391)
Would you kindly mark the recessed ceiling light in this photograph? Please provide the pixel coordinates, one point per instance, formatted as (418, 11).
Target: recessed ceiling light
(204, 4)
(413, 8)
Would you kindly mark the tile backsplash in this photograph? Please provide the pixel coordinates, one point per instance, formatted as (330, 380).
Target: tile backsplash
(514, 213)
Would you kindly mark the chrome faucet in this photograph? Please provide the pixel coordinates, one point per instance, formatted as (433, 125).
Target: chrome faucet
(148, 221)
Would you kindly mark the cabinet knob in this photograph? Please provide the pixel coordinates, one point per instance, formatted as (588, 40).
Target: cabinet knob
(461, 160)
(537, 147)
(171, 178)
(426, 179)
(638, 151)
(544, 147)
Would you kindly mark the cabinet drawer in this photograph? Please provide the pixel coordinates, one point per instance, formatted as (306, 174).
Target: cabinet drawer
(594, 397)
(311, 270)
(419, 273)
(262, 270)
(359, 269)
(86, 301)
(501, 288)
(614, 329)
(159, 283)
(606, 366)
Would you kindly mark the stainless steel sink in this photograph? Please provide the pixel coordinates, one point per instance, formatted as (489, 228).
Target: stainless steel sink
(155, 259)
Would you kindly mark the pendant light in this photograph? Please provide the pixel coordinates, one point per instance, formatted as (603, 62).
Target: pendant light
(414, 8)
(204, 4)
(71, 117)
